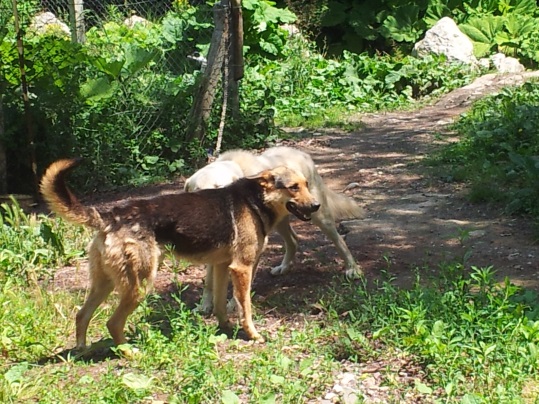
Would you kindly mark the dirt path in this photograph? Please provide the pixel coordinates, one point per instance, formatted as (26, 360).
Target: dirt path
(414, 220)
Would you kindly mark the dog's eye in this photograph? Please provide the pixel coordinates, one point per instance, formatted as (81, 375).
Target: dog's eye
(294, 188)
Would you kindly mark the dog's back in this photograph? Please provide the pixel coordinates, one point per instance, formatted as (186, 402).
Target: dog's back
(214, 175)
(193, 223)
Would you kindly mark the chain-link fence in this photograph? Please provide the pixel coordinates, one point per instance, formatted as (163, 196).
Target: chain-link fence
(140, 90)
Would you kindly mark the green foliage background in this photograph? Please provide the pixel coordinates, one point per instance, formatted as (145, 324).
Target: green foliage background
(498, 150)
(116, 101)
(507, 26)
(122, 98)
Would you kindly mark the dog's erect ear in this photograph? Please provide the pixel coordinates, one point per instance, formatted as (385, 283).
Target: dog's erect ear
(265, 178)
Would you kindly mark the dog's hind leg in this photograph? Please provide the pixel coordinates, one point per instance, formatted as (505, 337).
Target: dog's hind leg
(241, 280)
(128, 303)
(353, 270)
(134, 279)
(290, 239)
(100, 287)
(99, 291)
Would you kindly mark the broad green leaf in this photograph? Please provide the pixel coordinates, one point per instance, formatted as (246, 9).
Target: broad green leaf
(137, 381)
(137, 59)
(112, 68)
(284, 362)
(229, 397)
(336, 14)
(525, 7)
(16, 373)
(268, 399)
(97, 89)
(422, 388)
(401, 24)
(474, 33)
(277, 379)
(471, 399)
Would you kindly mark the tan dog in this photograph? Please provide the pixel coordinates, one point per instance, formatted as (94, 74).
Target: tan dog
(333, 207)
(224, 227)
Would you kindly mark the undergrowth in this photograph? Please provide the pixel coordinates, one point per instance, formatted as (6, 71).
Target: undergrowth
(473, 338)
(306, 88)
(498, 150)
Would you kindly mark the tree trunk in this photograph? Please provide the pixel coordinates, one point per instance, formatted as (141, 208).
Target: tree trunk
(236, 57)
(201, 110)
(76, 21)
(3, 162)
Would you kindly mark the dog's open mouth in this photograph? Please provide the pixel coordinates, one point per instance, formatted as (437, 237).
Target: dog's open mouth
(302, 214)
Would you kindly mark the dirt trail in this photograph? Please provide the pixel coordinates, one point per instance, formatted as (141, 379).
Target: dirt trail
(414, 220)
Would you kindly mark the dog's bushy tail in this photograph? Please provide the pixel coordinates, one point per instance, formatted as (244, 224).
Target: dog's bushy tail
(62, 201)
(341, 206)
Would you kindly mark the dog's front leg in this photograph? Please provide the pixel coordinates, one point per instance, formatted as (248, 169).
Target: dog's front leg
(241, 280)
(290, 239)
(353, 270)
(206, 302)
(220, 286)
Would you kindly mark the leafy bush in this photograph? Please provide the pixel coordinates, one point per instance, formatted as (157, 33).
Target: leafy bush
(499, 149)
(113, 100)
(304, 86)
(32, 244)
(119, 100)
(510, 29)
(389, 25)
(122, 98)
(463, 327)
(263, 34)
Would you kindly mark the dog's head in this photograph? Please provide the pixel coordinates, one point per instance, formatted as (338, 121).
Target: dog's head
(289, 189)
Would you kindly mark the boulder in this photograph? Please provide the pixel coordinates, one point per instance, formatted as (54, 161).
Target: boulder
(446, 38)
(46, 23)
(135, 19)
(504, 64)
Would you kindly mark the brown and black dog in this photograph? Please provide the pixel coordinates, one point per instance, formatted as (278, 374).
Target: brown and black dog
(224, 227)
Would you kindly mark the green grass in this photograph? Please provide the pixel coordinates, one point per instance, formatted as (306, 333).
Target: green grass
(469, 337)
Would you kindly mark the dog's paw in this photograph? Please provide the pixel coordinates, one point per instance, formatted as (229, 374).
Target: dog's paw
(256, 338)
(205, 307)
(280, 269)
(354, 273)
(202, 309)
(232, 306)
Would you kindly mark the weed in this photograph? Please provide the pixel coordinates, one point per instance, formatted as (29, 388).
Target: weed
(498, 148)
(472, 337)
(33, 244)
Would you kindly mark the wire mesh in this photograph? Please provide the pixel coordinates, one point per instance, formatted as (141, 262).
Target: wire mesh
(154, 75)
(96, 15)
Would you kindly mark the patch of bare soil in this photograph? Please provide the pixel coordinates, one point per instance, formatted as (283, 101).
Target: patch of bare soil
(412, 220)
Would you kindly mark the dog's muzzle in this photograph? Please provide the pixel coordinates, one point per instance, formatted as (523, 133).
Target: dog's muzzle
(302, 212)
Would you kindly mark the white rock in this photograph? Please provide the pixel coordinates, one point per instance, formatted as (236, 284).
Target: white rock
(135, 19)
(47, 23)
(446, 38)
(484, 63)
(506, 64)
